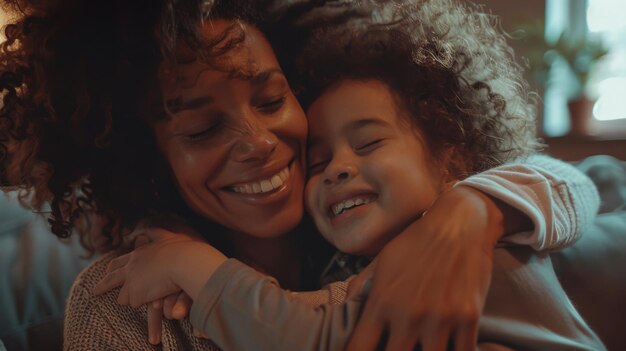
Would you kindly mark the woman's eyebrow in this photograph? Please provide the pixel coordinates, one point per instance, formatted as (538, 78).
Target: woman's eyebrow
(264, 76)
(177, 104)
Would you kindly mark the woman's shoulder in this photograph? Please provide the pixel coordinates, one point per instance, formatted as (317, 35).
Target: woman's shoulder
(92, 274)
(99, 322)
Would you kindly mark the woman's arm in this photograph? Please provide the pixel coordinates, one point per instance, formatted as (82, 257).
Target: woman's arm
(547, 201)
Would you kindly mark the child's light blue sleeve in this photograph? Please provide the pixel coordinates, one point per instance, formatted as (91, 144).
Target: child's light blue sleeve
(559, 199)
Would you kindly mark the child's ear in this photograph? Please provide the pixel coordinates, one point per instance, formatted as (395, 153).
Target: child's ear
(453, 166)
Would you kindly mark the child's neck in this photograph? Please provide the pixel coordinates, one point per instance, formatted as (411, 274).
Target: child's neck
(279, 257)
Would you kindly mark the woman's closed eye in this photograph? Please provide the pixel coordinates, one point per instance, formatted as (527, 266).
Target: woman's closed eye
(204, 133)
(272, 105)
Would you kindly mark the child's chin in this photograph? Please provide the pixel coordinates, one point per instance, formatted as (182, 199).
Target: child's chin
(360, 249)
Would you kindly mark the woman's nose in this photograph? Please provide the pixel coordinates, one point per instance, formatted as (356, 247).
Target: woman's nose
(255, 146)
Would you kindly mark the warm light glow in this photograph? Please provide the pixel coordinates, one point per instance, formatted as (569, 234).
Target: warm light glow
(612, 102)
(606, 15)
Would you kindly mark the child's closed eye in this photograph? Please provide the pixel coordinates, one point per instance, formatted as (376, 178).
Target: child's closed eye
(369, 146)
(317, 166)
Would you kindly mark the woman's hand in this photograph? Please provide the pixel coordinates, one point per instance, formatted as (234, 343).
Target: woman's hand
(435, 296)
(169, 263)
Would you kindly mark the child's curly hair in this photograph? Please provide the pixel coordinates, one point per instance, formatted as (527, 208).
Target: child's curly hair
(450, 67)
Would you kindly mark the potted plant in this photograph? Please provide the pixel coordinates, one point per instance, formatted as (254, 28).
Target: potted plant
(580, 56)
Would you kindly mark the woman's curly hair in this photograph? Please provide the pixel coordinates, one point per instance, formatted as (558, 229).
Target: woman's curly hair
(450, 68)
(78, 98)
(77, 82)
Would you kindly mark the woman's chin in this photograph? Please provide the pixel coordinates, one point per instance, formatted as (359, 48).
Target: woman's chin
(276, 227)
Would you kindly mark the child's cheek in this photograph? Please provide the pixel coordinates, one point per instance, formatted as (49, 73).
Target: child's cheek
(310, 195)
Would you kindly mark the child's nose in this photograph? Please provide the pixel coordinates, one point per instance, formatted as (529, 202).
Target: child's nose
(337, 174)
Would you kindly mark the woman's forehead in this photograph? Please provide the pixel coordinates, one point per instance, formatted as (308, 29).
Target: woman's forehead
(240, 48)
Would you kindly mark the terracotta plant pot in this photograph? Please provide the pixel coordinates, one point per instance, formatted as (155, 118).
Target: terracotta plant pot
(580, 114)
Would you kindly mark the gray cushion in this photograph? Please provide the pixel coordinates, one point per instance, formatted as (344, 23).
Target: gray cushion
(593, 271)
(36, 272)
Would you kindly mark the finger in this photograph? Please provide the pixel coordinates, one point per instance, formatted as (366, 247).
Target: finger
(168, 305)
(118, 262)
(182, 306)
(404, 339)
(199, 334)
(367, 332)
(155, 318)
(358, 284)
(466, 338)
(157, 304)
(109, 282)
(436, 338)
(123, 297)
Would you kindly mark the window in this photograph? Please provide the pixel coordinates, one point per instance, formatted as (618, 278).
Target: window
(601, 20)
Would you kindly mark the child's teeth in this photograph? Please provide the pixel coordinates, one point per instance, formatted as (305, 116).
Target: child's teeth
(350, 203)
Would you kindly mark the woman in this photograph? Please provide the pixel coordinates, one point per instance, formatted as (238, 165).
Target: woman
(91, 134)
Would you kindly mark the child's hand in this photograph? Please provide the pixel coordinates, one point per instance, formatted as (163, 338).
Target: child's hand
(169, 263)
(436, 296)
(175, 306)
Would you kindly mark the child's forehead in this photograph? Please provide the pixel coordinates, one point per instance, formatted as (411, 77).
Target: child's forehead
(353, 105)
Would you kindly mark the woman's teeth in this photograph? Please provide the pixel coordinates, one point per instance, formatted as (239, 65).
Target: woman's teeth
(344, 205)
(264, 186)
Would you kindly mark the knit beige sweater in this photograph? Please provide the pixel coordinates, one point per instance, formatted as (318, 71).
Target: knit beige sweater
(100, 323)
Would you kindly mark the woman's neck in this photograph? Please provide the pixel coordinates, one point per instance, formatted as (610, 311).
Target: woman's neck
(279, 257)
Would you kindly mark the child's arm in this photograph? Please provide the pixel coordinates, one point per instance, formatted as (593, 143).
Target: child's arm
(242, 309)
(169, 263)
(251, 310)
(559, 200)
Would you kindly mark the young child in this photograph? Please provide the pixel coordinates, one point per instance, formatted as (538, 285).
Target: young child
(395, 119)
